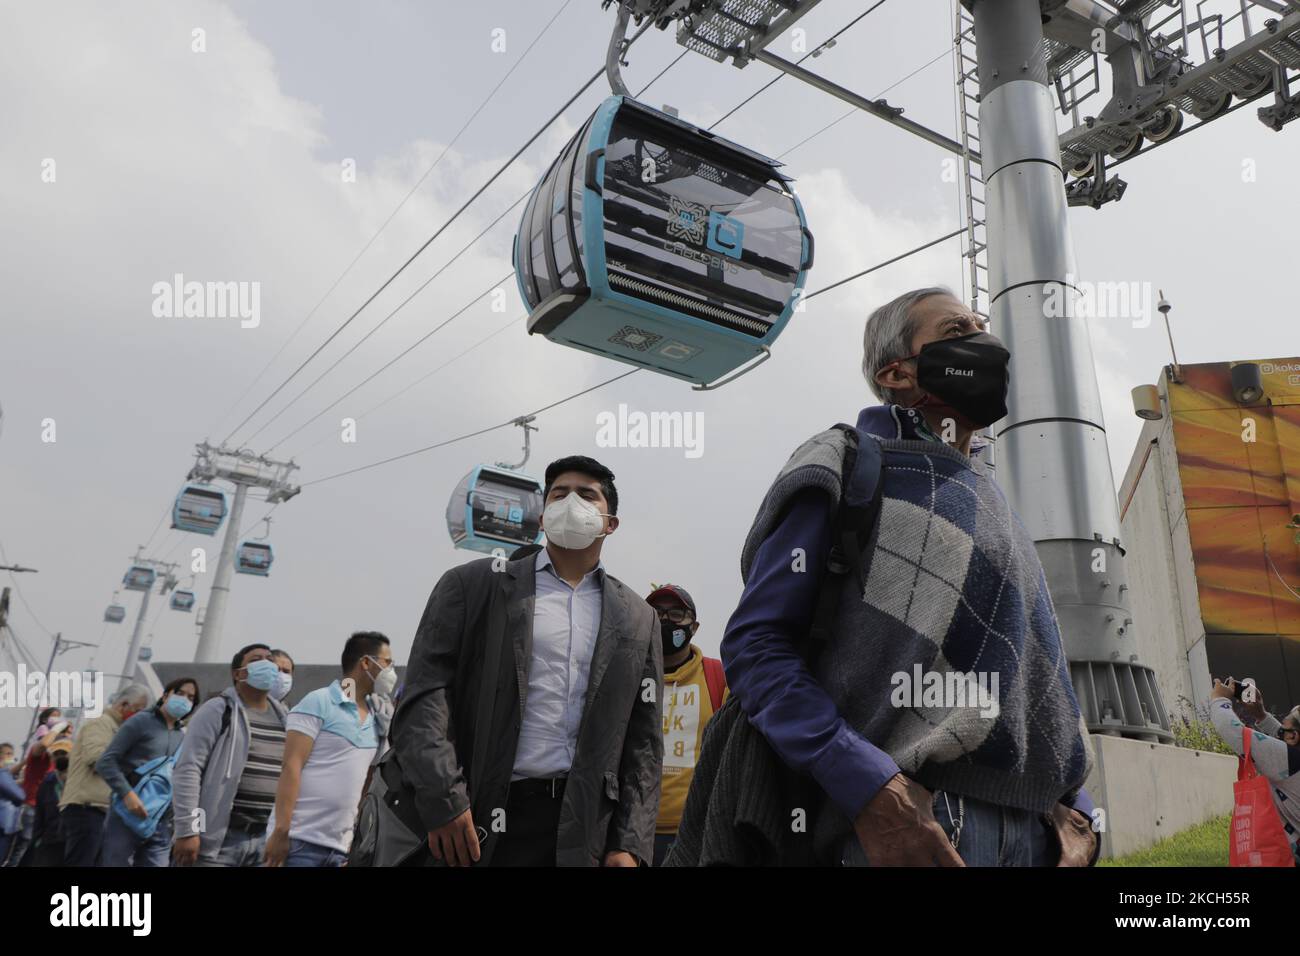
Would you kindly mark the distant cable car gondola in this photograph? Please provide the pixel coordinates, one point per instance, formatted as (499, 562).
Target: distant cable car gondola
(115, 614)
(253, 557)
(659, 244)
(146, 654)
(139, 578)
(199, 508)
(182, 601)
(495, 507)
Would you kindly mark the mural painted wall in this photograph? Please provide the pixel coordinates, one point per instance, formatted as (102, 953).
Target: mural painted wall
(1240, 472)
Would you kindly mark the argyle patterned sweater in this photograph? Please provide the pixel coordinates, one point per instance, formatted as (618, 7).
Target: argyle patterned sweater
(954, 585)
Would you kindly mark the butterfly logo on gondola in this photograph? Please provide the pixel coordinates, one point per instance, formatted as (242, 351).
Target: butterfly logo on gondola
(687, 220)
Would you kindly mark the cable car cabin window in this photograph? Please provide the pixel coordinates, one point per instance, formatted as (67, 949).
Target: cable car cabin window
(560, 214)
(577, 175)
(523, 251)
(538, 239)
(503, 509)
(716, 229)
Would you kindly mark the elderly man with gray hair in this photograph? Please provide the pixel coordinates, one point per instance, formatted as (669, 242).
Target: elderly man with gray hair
(896, 644)
(86, 794)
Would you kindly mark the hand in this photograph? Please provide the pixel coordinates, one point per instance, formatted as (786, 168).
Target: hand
(277, 847)
(185, 851)
(1221, 691)
(897, 828)
(455, 842)
(1076, 835)
(1253, 707)
(619, 858)
(133, 803)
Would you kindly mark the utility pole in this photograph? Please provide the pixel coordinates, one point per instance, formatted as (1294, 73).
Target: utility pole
(244, 470)
(1053, 461)
(60, 645)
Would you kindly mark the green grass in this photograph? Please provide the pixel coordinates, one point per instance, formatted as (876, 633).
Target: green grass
(1205, 844)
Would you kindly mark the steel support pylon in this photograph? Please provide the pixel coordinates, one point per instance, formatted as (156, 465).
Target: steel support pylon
(1053, 462)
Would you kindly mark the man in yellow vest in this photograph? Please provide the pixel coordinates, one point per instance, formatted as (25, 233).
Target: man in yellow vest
(694, 689)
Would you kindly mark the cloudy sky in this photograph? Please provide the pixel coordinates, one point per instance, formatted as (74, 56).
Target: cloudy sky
(128, 157)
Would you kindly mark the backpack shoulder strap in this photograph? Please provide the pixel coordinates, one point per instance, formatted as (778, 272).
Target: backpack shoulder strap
(716, 681)
(852, 526)
(225, 717)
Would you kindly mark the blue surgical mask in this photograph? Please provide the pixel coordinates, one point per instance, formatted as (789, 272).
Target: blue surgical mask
(177, 706)
(261, 675)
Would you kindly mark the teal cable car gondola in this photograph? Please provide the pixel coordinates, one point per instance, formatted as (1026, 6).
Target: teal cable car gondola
(659, 244)
(495, 508)
(115, 614)
(253, 557)
(200, 509)
(182, 600)
(139, 578)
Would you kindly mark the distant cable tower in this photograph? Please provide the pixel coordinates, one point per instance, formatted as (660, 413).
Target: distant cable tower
(244, 470)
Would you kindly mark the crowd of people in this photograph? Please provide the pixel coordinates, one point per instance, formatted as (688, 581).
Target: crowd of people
(551, 716)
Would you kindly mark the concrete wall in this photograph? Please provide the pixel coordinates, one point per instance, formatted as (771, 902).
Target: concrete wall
(1162, 572)
(1152, 791)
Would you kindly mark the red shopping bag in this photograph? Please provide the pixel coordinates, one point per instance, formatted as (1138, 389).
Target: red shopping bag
(1257, 837)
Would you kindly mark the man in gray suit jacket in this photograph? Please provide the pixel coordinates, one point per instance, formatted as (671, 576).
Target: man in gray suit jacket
(529, 731)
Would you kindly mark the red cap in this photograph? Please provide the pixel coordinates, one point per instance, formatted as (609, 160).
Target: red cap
(673, 591)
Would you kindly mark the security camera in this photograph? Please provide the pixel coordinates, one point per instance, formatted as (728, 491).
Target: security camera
(1247, 383)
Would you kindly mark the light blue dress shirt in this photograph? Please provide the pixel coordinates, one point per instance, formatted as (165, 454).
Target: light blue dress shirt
(566, 621)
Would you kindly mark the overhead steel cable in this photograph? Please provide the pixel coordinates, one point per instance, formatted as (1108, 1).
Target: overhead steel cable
(382, 322)
(391, 362)
(609, 381)
(474, 434)
(846, 115)
(441, 229)
(423, 378)
(815, 51)
(391, 216)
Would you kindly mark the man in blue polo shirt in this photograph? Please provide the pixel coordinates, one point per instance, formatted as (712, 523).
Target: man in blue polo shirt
(334, 736)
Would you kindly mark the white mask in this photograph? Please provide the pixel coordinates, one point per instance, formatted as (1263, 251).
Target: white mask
(385, 680)
(572, 523)
(283, 684)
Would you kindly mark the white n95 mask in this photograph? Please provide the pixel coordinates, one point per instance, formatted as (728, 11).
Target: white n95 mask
(572, 523)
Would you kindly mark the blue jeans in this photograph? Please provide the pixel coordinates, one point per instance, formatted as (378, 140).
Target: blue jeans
(240, 848)
(302, 853)
(121, 847)
(990, 835)
(22, 837)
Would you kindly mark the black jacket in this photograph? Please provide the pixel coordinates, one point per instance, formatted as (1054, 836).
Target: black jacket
(455, 745)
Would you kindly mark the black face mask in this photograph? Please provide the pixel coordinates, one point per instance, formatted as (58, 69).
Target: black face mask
(674, 636)
(967, 374)
(61, 763)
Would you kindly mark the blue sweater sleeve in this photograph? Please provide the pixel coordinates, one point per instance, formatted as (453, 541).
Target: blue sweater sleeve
(10, 789)
(767, 674)
(109, 765)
